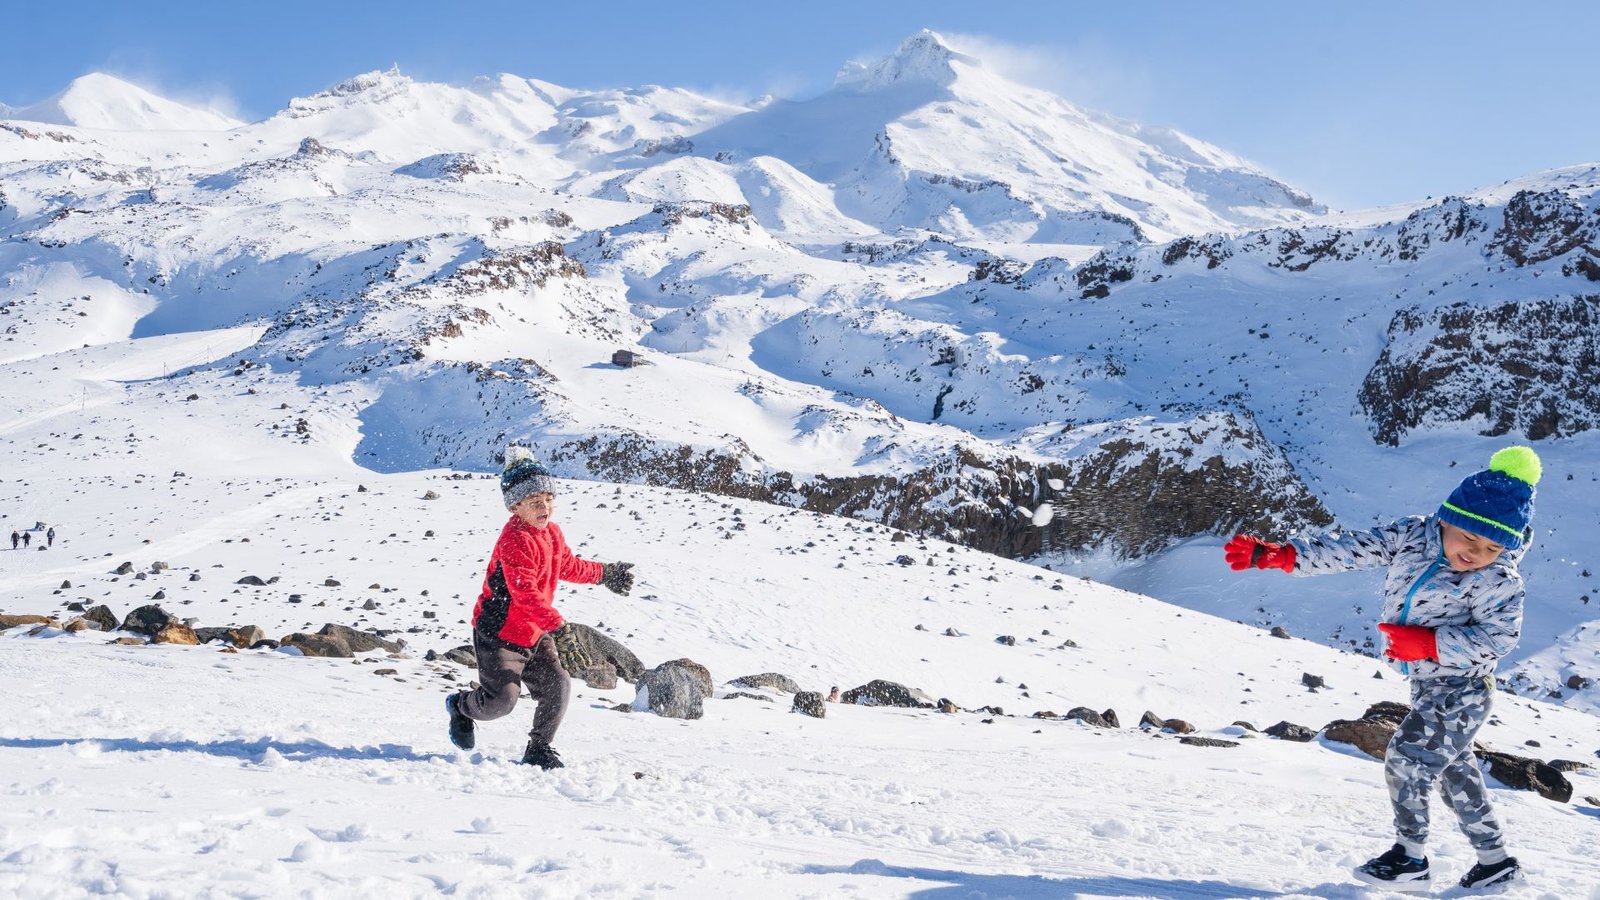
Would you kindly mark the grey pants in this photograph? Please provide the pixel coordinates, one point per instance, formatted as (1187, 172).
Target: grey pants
(502, 671)
(1434, 743)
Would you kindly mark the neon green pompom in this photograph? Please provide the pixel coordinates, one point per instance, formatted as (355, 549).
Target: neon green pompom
(1520, 463)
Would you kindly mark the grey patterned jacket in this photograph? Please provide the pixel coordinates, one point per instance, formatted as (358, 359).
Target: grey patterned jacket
(1476, 616)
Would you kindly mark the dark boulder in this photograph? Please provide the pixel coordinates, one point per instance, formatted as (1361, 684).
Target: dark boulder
(1288, 731)
(810, 703)
(768, 680)
(587, 654)
(102, 618)
(318, 645)
(359, 641)
(880, 692)
(147, 620)
(671, 690)
(1526, 774)
(462, 656)
(1089, 716)
(1206, 742)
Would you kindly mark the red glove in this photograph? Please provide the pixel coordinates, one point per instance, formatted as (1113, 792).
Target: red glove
(1409, 643)
(1246, 550)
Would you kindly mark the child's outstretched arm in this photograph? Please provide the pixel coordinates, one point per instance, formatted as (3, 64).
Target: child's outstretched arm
(1349, 551)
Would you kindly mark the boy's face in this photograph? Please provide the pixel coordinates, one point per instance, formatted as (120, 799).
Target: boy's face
(1466, 551)
(536, 510)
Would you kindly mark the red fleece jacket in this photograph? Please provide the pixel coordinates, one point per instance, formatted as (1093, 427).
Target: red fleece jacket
(519, 587)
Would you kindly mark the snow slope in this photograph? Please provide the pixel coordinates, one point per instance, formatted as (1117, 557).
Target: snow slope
(159, 770)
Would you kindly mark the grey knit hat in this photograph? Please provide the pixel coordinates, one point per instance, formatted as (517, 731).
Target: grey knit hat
(523, 476)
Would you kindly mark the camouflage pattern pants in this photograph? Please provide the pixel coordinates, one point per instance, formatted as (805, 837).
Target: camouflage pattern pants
(1434, 743)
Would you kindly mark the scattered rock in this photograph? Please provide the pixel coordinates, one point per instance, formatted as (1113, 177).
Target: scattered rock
(1314, 682)
(253, 580)
(385, 672)
(673, 690)
(1371, 736)
(175, 633)
(1007, 640)
(1568, 765)
(1528, 775)
(1087, 715)
(1288, 731)
(810, 703)
(768, 680)
(880, 692)
(948, 706)
(147, 620)
(1151, 720)
(130, 641)
(318, 645)
(14, 621)
(746, 695)
(1577, 682)
(431, 495)
(587, 654)
(359, 641)
(1177, 726)
(463, 656)
(125, 569)
(1206, 742)
(1278, 631)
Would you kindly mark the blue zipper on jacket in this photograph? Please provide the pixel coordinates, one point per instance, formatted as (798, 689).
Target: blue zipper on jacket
(1405, 608)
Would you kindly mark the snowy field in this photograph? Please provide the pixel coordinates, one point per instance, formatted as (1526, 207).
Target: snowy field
(163, 771)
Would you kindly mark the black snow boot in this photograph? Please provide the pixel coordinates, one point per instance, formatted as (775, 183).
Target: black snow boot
(463, 731)
(542, 755)
(1483, 875)
(1396, 870)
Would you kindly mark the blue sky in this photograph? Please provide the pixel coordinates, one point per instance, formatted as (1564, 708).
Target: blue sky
(1361, 103)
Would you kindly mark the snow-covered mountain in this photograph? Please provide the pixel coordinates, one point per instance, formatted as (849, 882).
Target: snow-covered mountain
(100, 102)
(927, 298)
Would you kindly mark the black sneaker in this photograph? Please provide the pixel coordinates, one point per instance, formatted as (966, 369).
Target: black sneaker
(1482, 875)
(1396, 870)
(542, 755)
(463, 731)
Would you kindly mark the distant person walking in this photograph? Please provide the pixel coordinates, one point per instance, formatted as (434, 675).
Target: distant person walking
(50, 537)
(26, 539)
(15, 539)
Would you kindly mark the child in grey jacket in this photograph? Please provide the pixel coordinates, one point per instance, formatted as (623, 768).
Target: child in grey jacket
(1452, 606)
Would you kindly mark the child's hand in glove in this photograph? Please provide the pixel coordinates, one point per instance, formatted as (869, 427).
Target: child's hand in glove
(1409, 643)
(616, 577)
(1246, 551)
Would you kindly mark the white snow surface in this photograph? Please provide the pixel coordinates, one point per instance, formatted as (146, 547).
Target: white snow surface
(160, 770)
(154, 771)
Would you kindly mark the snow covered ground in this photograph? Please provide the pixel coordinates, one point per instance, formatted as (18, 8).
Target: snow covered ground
(161, 771)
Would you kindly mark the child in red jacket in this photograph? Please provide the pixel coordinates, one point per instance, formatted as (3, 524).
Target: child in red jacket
(514, 618)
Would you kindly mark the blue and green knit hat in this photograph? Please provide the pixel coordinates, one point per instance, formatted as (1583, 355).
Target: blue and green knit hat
(1496, 503)
(523, 476)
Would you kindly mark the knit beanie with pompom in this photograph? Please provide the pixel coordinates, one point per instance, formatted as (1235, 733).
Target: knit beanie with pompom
(523, 476)
(1497, 503)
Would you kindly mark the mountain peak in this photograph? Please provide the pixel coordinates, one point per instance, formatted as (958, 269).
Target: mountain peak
(98, 100)
(924, 57)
